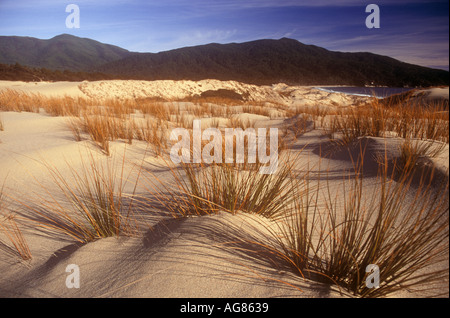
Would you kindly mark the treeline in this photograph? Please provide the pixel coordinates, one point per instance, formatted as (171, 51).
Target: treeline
(18, 72)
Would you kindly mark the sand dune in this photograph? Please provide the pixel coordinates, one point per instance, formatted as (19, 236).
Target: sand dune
(45, 88)
(219, 255)
(179, 258)
(181, 89)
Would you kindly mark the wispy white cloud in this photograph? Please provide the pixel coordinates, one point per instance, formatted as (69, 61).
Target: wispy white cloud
(425, 48)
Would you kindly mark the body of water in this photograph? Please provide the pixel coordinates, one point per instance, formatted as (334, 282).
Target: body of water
(379, 92)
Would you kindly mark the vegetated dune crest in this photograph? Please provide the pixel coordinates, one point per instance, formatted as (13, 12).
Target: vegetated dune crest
(177, 90)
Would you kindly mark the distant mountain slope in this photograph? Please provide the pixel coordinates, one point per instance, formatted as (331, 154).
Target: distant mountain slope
(63, 52)
(256, 62)
(274, 61)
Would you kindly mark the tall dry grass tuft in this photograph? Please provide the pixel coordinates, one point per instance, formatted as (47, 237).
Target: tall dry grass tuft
(9, 227)
(77, 127)
(12, 231)
(119, 108)
(381, 120)
(361, 122)
(225, 187)
(203, 189)
(99, 129)
(257, 110)
(421, 122)
(236, 122)
(63, 106)
(154, 133)
(401, 229)
(299, 125)
(415, 152)
(103, 128)
(153, 108)
(91, 203)
(12, 100)
(317, 114)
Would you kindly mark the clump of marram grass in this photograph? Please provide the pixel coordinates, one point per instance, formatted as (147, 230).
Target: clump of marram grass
(157, 109)
(98, 127)
(236, 122)
(203, 189)
(420, 122)
(413, 152)
(360, 122)
(381, 120)
(9, 227)
(154, 133)
(18, 101)
(103, 129)
(299, 125)
(91, 202)
(12, 100)
(225, 187)
(404, 235)
(76, 126)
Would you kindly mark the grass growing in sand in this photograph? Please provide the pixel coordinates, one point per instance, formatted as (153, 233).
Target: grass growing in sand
(401, 227)
(332, 239)
(20, 248)
(412, 152)
(103, 129)
(400, 234)
(91, 204)
(206, 189)
(380, 120)
(8, 226)
(106, 120)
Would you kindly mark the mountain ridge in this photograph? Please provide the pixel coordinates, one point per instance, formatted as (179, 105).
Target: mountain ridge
(272, 61)
(62, 52)
(263, 61)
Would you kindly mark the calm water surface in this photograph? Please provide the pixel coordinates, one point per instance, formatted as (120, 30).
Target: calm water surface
(379, 92)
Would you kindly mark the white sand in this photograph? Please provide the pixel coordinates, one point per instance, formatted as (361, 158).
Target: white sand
(436, 95)
(45, 88)
(211, 256)
(295, 95)
(436, 92)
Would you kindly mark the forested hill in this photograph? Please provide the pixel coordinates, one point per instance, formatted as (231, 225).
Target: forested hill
(258, 62)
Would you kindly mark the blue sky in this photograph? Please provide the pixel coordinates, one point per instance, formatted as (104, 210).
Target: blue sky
(413, 31)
